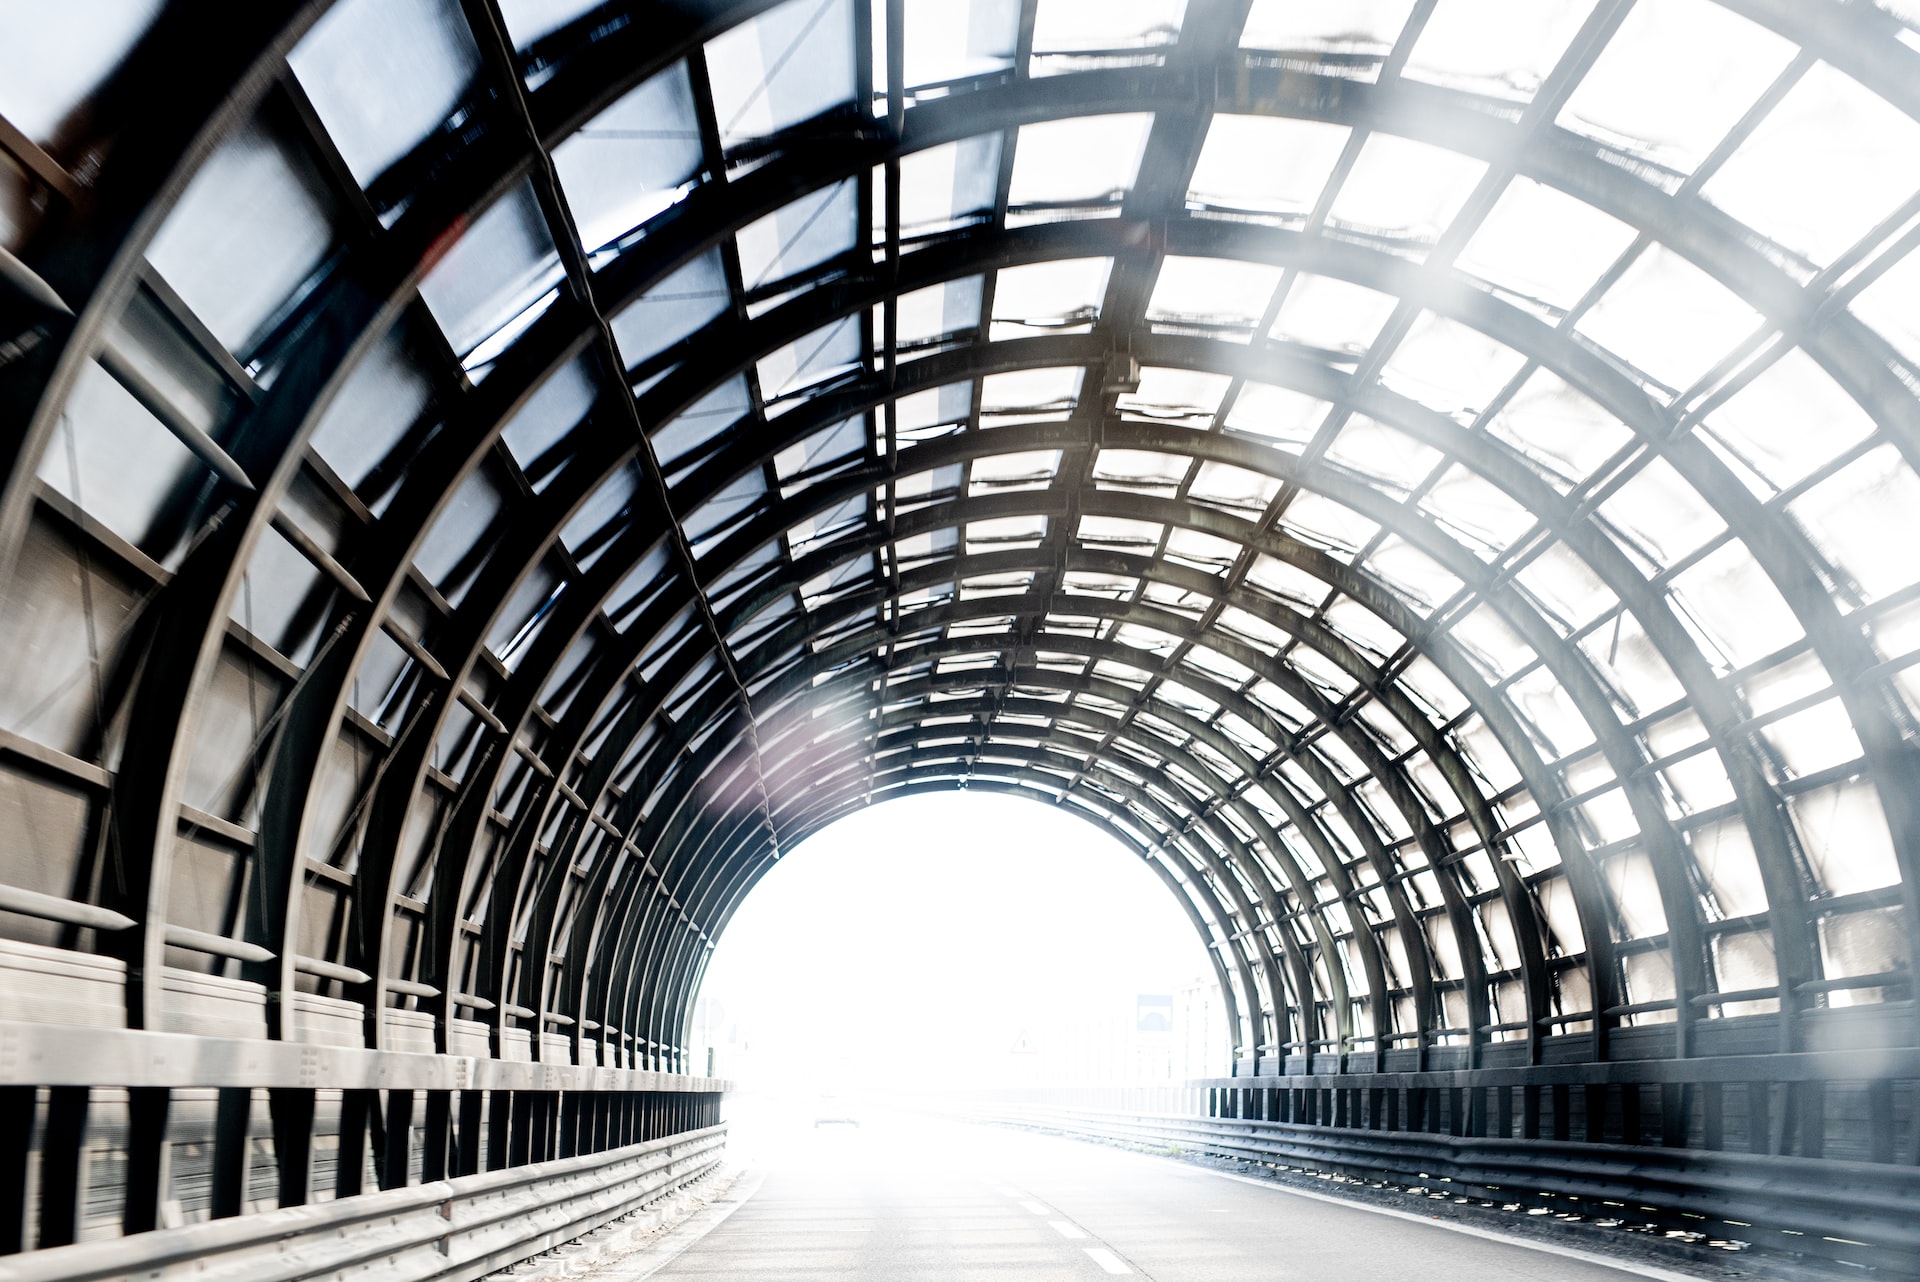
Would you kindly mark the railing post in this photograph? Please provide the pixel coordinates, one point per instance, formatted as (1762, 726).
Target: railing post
(1812, 1104)
(519, 1126)
(62, 1165)
(1597, 1113)
(467, 1136)
(396, 1158)
(17, 1107)
(349, 1171)
(147, 1108)
(232, 1151)
(570, 1103)
(499, 1128)
(1713, 1116)
(437, 1135)
(1880, 1122)
(1759, 1117)
(1676, 1113)
(291, 1108)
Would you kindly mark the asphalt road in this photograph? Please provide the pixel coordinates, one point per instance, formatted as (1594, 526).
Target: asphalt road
(899, 1200)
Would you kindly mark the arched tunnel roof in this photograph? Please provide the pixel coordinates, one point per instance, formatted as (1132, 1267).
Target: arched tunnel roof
(1435, 479)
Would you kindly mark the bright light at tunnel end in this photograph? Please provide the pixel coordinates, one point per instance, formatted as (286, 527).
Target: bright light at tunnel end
(979, 941)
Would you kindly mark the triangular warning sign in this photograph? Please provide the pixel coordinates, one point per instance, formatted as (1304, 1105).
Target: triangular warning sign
(1021, 1044)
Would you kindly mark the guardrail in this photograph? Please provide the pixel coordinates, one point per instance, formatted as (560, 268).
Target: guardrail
(454, 1229)
(1858, 1214)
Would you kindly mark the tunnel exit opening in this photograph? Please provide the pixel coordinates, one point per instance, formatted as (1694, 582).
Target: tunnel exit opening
(976, 941)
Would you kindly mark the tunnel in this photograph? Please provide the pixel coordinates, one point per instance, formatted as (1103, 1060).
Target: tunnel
(483, 480)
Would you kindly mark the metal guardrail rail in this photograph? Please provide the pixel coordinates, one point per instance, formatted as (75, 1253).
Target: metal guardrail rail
(448, 1230)
(1859, 1214)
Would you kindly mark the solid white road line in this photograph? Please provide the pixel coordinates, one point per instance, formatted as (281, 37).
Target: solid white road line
(1035, 1208)
(1472, 1230)
(1067, 1230)
(1107, 1259)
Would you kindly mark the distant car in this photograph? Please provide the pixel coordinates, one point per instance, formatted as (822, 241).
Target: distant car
(835, 1110)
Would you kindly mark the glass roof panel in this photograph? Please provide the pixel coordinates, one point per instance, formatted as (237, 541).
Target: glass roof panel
(248, 230)
(116, 457)
(1830, 161)
(609, 501)
(1383, 454)
(1087, 160)
(378, 402)
(1540, 243)
(1330, 313)
(682, 436)
(673, 309)
(1567, 433)
(493, 273)
(632, 160)
(939, 310)
(1025, 470)
(1279, 413)
(1572, 594)
(1730, 595)
(1296, 159)
(383, 74)
(1062, 295)
(827, 352)
(1029, 394)
(1190, 397)
(812, 230)
(1765, 424)
(1073, 25)
(723, 509)
(54, 55)
(781, 67)
(932, 412)
(1233, 487)
(528, 20)
(1503, 47)
(1891, 304)
(957, 39)
(1366, 25)
(1668, 318)
(945, 185)
(1477, 511)
(1146, 470)
(1661, 516)
(552, 411)
(1334, 526)
(1865, 519)
(1674, 79)
(1201, 551)
(1406, 188)
(1450, 367)
(1215, 292)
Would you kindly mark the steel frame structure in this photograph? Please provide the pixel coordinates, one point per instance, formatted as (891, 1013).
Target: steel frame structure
(434, 618)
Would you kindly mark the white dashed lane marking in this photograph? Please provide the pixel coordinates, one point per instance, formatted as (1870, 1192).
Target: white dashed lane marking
(1067, 1230)
(1035, 1208)
(1107, 1259)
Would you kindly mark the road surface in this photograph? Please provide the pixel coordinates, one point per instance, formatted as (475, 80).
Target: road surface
(901, 1200)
